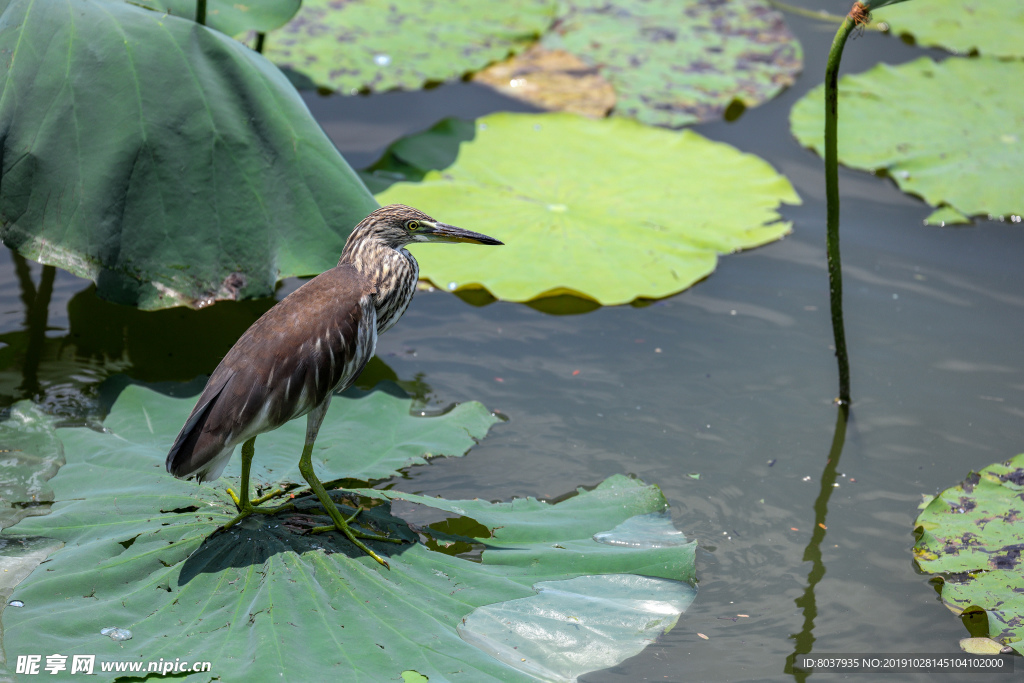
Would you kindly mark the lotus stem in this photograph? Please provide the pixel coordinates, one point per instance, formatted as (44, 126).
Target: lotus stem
(858, 15)
(260, 38)
(201, 12)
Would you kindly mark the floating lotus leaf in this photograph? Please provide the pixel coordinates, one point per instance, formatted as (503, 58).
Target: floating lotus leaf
(950, 132)
(989, 27)
(981, 646)
(379, 45)
(972, 535)
(141, 554)
(161, 159)
(676, 62)
(609, 210)
(231, 17)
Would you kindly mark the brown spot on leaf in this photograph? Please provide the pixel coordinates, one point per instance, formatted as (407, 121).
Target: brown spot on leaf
(1015, 477)
(551, 79)
(966, 505)
(1008, 559)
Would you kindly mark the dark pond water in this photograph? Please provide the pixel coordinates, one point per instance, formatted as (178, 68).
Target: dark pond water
(732, 381)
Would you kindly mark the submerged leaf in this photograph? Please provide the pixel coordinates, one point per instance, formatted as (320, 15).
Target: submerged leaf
(989, 27)
(551, 79)
(380, 45)
(142, 553)
(676, 62)
(608, 210)
(924, 124)
(163, 160)
(972, 535)
(981, 646)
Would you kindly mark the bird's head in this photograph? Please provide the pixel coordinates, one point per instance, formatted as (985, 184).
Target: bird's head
(398, 225)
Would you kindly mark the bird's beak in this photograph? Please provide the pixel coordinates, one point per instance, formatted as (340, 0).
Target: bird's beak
(442, 232)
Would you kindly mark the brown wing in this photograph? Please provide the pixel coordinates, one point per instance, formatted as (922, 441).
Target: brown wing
(314, 342)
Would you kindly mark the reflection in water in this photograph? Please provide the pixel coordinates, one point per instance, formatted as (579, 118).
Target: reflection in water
(62, 373)
(563, 304)
(37, 304)
(812, 553)
(559, 304)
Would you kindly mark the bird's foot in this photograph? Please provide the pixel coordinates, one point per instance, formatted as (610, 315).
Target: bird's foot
(269, 496)
(262, 499)
(354, 535)
(349, 531)
(246, 508)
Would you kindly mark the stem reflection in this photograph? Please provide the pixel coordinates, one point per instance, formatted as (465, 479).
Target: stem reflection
(812, 553)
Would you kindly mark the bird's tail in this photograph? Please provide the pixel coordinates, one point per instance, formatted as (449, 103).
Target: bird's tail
(197, 452)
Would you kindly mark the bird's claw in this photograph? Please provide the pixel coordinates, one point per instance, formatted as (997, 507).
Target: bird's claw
(246, 508)
(354, 536)
(269, 496)
(349, 531)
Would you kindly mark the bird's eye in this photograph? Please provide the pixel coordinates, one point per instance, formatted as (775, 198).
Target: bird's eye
(413, 225)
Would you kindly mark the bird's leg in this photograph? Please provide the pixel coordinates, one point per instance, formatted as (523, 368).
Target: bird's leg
(244, 505)
(248, 451)
(313, 421)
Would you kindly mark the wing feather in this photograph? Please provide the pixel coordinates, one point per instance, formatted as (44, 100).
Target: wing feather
(314, 342)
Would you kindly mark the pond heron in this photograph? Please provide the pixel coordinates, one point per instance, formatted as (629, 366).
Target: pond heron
(313, 343)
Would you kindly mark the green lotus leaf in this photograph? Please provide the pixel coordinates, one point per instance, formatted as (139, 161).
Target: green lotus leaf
(231, 17)
(971, 534)
(161, 159)
(945, 215)
(378, 45)
(905, 120)
(142, 553)
(676, 62)
(608, 210)
(989, 27)
(365, 436)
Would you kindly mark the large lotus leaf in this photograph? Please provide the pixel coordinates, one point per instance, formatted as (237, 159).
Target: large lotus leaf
(381, 45)
(30, 454)
(231, 17)
(161, 159)
(609, 210)
(365, 436)
(972, 534)
(574, 518)
(675, 62)
(989, 27)
(950, 132)
(141, 554)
